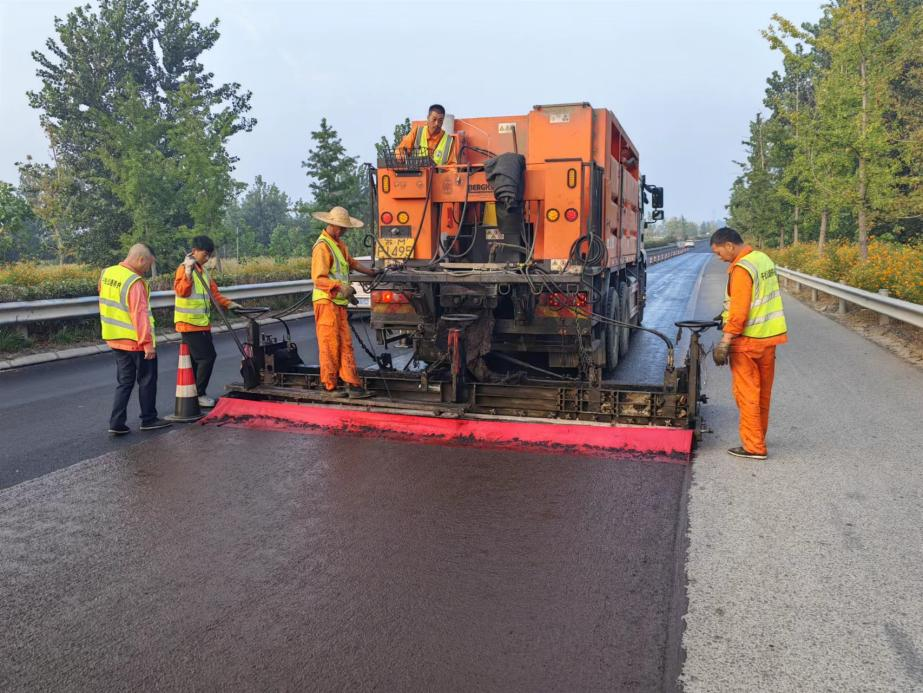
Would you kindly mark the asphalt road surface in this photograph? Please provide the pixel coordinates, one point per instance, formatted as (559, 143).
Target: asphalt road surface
(56, 414)
(218, 558)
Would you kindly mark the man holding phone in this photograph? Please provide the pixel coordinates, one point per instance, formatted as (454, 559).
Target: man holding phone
(192, 313)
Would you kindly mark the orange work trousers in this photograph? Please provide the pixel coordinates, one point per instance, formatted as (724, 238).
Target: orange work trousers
(752, 372)
(334, 345)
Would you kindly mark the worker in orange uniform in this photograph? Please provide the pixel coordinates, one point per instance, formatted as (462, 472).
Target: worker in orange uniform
(431, 139)
(330, 266)
(754, 324)
(192, 312)
(128, 328)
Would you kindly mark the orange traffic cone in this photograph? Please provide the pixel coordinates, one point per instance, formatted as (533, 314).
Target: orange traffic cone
(187, 397)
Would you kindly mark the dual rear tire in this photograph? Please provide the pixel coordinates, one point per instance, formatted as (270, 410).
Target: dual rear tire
(617, 336)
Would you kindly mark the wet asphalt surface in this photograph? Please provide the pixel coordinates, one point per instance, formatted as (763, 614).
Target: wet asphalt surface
(251, 560)
(217, 558)
(57, 414)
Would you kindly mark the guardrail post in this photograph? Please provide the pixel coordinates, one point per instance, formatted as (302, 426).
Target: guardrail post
(841, 309)
(884, 320)
(814, 295)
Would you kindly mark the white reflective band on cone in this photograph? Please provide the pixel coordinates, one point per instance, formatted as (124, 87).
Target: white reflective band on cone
(186, 391)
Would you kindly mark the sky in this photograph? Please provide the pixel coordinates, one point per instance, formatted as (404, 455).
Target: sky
(684, 77)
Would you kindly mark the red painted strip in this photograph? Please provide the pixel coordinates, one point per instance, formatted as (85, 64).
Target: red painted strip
(185, 376)
(666, 444)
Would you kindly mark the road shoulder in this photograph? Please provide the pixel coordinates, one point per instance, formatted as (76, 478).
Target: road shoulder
(805, 571)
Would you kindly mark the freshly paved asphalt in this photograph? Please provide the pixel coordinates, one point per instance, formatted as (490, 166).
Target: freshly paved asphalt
(249, 560)
(219, 558)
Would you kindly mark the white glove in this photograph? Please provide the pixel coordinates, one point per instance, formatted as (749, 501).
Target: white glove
(234, 305)
(189, 263)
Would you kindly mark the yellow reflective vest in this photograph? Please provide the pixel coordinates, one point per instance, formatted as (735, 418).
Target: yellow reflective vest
(114, 313)
(441, 153)
(338, 272)
(766, 317)
(195, 309)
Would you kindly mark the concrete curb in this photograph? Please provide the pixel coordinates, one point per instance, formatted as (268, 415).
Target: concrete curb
(76, 352)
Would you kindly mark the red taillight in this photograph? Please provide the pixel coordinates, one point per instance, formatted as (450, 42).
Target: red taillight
(387, 217)
(388, 296)
(556, 299)
(571, 214)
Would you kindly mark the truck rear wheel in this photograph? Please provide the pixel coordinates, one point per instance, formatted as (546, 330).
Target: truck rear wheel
(624, 312)
(612, 331)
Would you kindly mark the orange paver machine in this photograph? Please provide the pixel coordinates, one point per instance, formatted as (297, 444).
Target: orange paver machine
(513, 278)
(535, 235)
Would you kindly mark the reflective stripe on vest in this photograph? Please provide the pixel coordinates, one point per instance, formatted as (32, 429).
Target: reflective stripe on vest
(195, 309)
(441, 153)
(114, 313)
(766, 317)
(339, 272)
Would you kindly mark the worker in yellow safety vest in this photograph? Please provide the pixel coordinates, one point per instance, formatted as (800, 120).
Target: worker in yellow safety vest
(753, 324)
(430, 139)
(333, 292)
(128, 328)
(193, 310)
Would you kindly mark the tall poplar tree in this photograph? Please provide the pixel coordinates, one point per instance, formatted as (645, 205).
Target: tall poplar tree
(150, 48)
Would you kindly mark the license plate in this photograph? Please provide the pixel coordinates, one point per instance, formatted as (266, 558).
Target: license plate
(395, 248)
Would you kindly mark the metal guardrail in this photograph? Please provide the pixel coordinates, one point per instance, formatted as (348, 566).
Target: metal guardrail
(20, 313)
(653, 256)
(882, 304)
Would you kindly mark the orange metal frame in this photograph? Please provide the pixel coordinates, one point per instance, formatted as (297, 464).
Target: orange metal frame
(554, 140)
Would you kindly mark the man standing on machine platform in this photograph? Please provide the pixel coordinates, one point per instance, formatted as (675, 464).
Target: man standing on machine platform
(330, 266)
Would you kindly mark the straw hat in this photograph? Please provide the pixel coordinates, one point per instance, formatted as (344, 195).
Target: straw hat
(338, 216)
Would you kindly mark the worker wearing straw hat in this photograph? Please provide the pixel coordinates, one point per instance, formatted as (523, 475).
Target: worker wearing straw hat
(330, 266)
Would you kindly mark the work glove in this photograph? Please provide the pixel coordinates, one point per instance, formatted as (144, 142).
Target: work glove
(718, 319)
(719, 353)
(349, 293)
(189, 264)
(234, 305)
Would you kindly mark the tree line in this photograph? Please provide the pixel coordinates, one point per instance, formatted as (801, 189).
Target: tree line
(137, 132)
(840, 153)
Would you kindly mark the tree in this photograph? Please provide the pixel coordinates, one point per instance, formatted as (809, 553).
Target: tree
(19, 229)
(49, 191)
(155, 47)
(843, 142)
(263, 208)
(400, 131)
(337, 179)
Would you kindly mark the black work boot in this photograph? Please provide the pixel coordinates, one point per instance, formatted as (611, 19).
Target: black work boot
(356, 392)
(740, 452)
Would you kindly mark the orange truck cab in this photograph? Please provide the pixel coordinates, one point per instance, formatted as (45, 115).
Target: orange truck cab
(532, 242)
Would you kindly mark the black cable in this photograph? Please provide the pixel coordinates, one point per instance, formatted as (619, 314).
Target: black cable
(443, 251)
(370, 352)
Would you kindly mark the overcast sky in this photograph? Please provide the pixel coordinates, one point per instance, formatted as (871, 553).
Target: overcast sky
(683, 77)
